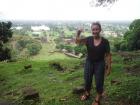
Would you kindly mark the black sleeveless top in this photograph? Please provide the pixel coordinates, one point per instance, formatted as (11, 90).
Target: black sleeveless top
(96, 53)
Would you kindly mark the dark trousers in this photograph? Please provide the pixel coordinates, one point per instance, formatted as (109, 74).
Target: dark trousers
(98, 69)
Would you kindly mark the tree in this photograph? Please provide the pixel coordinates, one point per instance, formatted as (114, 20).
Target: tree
(131, 39)
(5, 35)
(5, 31)
(103, 3)
(133, 35)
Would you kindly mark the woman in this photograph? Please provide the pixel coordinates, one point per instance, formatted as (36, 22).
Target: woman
(98, 61)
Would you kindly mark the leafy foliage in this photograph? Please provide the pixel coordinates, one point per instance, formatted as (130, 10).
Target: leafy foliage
(103, 3)
(5, 35)
(69, 48)
(80, 49)
(24, 46)
(34, 48)
(131, 40)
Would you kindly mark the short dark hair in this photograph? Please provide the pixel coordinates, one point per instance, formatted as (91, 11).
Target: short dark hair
(96, 23)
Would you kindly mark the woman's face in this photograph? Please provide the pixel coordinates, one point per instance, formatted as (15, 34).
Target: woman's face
(95, 29)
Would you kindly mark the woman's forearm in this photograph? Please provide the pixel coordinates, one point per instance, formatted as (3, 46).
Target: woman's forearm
(108, 60)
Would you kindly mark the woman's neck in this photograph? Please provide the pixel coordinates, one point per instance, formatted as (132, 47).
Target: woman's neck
(96, 37)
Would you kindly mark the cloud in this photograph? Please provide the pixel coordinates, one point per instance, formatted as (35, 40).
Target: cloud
(68, 10)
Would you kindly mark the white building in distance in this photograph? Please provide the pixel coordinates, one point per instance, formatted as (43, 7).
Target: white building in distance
(38, 28)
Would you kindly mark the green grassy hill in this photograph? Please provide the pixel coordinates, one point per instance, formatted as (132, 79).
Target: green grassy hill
(55, 83)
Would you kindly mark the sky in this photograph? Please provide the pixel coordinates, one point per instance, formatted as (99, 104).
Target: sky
(67, 10)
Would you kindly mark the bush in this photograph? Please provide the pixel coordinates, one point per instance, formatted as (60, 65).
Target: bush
(27, 46)
(33, 48)
(80, 49)
(69, 48)
(123, 46)
(14, 54)
(117, 46)
(5, 54)
(21, 44)
(60, 46)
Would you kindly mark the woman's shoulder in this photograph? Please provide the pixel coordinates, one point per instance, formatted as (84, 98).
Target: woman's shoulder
(105, 40)
(88, 39)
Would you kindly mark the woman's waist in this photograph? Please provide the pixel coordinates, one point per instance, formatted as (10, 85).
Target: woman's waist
(95, 59)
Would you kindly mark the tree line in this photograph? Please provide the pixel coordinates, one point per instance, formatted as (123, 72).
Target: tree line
(131, 38)
(129, 42)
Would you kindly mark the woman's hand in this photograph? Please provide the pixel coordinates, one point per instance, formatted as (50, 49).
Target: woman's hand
(79, 31)
(79, 40)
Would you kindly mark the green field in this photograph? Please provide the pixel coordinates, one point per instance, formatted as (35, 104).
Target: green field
(47, 53)
(55, 86)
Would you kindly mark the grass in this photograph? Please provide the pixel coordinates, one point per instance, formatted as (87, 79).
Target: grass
(45, 54)
(55, 87)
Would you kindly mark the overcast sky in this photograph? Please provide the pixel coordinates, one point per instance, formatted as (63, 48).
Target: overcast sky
(67, 10)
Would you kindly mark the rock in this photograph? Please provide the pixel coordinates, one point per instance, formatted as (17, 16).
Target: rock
(27, 66)
(57, 66)
(30, 94)
(78, 90)
(116, 82)
(72, 55)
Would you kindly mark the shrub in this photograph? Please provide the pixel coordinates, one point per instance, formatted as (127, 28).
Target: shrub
(80, 49)
(33, 48)
(123, 46)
